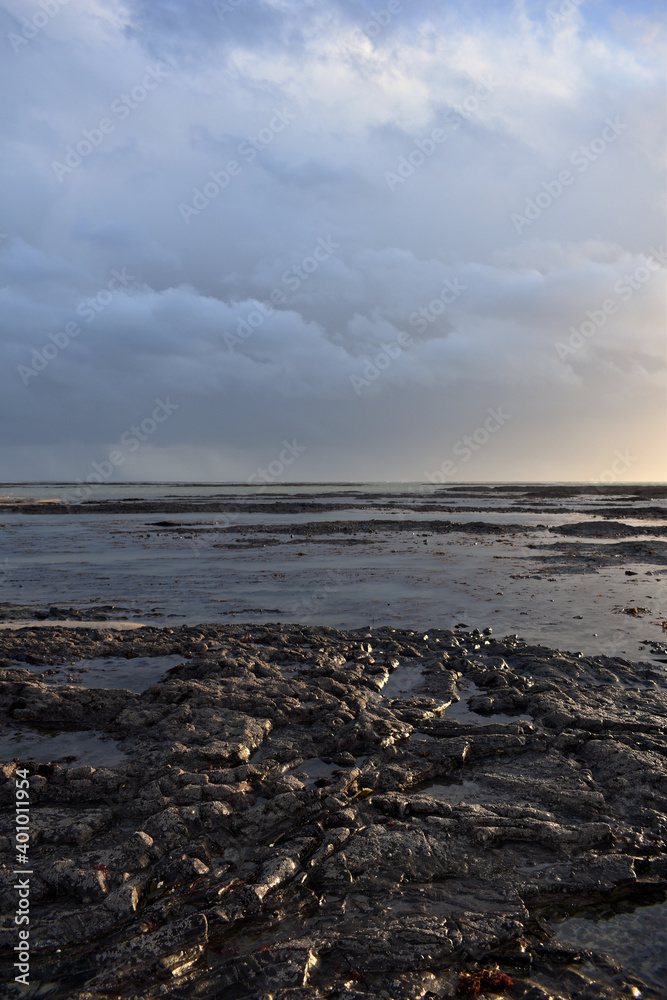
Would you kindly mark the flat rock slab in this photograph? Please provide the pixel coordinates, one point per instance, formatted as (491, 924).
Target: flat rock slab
(276, 831)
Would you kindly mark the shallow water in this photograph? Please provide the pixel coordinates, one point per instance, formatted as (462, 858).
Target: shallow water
(69, 623)
(136, 675)
(80, 746)
(312, 769)
(417, 579)
(459, 711)
(456, 792)
(404, 681)
(636, 940)
(587, 495)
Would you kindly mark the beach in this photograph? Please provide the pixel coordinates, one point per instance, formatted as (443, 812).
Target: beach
(333, 501)
(556, 564)
(366, 744)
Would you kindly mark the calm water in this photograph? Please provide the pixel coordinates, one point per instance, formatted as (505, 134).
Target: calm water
(204, 568)
(636, 940)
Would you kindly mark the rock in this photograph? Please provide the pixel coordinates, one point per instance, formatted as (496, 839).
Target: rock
(172, 949)
(124, 900)
(88, 884)
(288, 835)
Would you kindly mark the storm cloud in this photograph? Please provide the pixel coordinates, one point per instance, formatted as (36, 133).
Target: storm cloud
(354, 226)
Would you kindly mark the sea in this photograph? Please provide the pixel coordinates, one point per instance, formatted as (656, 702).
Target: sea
(346, 555)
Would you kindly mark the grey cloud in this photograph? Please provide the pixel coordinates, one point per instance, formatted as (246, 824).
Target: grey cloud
(358, 115)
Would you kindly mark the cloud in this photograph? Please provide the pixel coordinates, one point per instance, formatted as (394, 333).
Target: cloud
(410, 152)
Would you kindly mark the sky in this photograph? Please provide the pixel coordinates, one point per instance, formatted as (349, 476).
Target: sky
(325, 240)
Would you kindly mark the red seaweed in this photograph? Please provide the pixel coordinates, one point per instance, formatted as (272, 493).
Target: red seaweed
(471, 984)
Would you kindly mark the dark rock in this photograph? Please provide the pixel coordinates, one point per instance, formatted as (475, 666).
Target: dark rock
(282, 835)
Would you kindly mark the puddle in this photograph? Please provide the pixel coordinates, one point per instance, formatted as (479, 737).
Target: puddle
(67, 623)
(258, 755)
(636, 940)
(85, 747)
(535, 866)
(419, 737)
(462, 791)
(115, 672)
(458, 711)
(292, 669)
(313, 769)
(405, 680)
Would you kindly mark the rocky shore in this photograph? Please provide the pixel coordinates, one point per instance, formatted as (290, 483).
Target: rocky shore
(303, 813)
